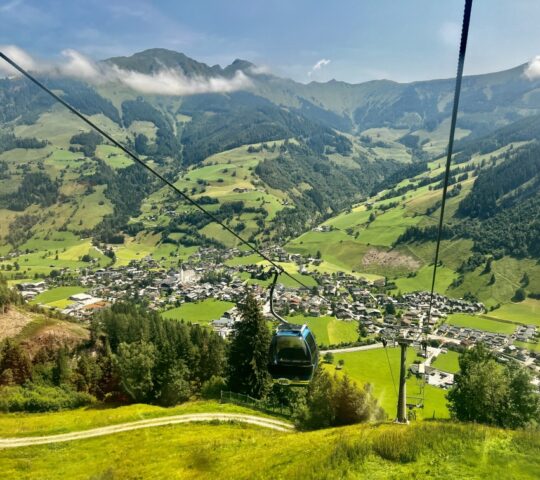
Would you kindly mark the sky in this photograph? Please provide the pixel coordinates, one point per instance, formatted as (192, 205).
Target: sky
(307, 40)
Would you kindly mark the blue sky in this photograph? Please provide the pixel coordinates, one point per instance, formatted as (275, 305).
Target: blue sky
(352, 40)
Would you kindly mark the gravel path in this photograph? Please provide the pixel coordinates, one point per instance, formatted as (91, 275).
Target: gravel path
(153, 422)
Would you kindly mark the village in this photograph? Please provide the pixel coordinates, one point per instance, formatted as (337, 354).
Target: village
(207, 275)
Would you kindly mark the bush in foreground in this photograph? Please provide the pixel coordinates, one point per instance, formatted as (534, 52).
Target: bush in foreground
(38, 398)
(334, 401)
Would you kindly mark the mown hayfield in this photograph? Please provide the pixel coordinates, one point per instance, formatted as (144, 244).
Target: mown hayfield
(447, 362)
(199, 312)
(387, 227)
(422, 280)
(357, 216)
(328, 330)
(526, 312)
(339, 252)
(534, 347)
(57, 294)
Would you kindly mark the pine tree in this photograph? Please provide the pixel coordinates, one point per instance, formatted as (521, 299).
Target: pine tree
(249, 352)
(61, 371)
(16, 360)
(135, 364)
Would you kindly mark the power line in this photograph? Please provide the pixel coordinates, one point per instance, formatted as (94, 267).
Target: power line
(457, 91)
(151, 170)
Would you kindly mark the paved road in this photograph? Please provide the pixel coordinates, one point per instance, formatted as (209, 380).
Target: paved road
(153, 422)
(354, 349)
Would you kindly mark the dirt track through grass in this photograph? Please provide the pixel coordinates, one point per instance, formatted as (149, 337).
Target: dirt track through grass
(154, 422)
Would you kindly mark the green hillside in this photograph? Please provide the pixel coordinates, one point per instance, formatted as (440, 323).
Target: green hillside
(362, 161)
(229, 450)
(392, 233)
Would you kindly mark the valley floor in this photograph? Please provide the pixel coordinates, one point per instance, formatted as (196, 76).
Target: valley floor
(239, 451)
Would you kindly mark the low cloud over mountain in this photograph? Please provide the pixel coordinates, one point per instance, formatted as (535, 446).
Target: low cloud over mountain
(165, 81)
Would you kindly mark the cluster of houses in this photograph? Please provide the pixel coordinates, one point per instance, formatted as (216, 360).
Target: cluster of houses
(206, 274)
(30, 290)
(525, 333)
(434, 376)
(469, 336)
(84, 305)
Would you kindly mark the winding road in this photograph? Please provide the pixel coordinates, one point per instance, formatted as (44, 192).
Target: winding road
(271, 423)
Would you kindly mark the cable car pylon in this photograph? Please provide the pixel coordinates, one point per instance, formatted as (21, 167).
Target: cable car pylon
(401, 415)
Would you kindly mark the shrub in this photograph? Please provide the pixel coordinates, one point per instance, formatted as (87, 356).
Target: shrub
(212, 388)
(38, 398)
(332, 401)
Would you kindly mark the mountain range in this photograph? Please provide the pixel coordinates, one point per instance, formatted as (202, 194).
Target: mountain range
(274, 158)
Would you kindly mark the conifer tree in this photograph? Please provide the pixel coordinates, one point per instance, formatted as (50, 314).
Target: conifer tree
(249, 352)
(14, 364)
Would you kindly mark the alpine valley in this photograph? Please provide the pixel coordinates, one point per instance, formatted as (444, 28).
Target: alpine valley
(347, 174)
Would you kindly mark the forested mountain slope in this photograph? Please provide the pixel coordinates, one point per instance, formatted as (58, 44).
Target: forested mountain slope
(272, 159)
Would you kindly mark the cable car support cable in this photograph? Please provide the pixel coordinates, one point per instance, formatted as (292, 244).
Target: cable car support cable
(154, 172)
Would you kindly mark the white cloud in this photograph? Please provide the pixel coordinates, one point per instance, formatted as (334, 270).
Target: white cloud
(164, 82)
(18, 56)
(320, 64)
(532, 70)
(174, 82)
(79, 66)
(259, 70)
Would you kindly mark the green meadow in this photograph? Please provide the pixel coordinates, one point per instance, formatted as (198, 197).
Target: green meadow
(53, 296)
(372, 366)
(210, 450)
(199, 312)
(447, 362)
(329, 330)
(526, 312)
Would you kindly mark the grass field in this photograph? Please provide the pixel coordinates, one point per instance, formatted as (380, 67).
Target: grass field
(371, 366)
(422, 280)
(339, 252)
(448, 362)
(437, 450)
(200, 312)
(57, 294)
(329, 330)
(508, 274)
(481, 323)
(534, 347)
(526, 312)
(53, 423)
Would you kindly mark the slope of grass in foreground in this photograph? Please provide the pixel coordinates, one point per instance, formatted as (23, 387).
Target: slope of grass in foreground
(235, 451)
